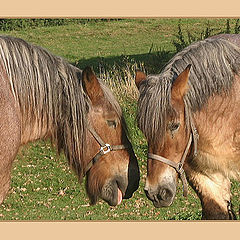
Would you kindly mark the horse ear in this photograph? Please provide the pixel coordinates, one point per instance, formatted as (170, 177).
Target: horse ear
(91, 85)
(140, 76)
(180, 85)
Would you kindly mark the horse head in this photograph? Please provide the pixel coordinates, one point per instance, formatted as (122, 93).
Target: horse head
(111, 166)
(166, 155)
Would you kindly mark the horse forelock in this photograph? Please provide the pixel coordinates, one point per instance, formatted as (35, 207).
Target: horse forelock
(214, 64)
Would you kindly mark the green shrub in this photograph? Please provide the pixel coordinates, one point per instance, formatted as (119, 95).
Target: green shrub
(184, 39)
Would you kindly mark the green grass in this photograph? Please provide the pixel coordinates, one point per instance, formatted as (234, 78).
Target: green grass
(43, 187)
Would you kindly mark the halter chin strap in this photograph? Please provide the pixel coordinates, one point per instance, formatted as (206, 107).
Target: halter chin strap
(104, 149)
(179, 166)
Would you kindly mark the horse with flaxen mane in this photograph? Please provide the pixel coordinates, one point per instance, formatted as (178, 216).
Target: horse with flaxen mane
(190, 116)
(43, 96)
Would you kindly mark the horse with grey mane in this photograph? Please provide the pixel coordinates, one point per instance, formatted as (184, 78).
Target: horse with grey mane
(190, 116)
(43, 96)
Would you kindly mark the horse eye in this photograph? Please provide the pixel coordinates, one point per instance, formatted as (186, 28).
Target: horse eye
(173, 126)
(112, 123)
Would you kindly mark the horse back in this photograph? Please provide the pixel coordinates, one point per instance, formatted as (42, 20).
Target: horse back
(233, 38)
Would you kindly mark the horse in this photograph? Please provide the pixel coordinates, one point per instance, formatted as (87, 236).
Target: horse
(190, 116)
(42, 96)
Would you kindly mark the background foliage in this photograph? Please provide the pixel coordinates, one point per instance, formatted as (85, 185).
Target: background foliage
(28, 23)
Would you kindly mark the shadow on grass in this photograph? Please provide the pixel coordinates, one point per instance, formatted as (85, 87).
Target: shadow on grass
(153, 61)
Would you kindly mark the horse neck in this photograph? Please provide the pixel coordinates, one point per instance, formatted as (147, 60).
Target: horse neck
(32, 130)
(216, 119)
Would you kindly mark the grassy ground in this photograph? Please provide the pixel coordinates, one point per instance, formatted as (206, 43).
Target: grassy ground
(43, 187)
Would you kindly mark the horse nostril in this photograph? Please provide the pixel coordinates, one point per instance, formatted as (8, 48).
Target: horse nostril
(165, 194)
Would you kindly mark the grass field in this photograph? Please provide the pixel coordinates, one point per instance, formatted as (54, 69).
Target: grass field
(43, 187)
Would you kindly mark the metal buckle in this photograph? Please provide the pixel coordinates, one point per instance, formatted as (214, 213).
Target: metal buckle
(106, 148)
(180, 169)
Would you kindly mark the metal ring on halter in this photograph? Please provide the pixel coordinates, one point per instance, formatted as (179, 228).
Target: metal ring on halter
(180, 169)
(107, 147)
(104, 149)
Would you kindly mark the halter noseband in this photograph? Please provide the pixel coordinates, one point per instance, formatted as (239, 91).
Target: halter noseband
(179, 166)
(104, 149)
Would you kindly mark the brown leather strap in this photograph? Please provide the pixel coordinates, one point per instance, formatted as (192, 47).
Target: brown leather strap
(104, 149)
(96, 136)
(179, 166)
(195, 136)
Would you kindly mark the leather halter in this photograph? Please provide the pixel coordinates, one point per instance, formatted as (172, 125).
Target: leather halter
(179, 166)
(104, 149)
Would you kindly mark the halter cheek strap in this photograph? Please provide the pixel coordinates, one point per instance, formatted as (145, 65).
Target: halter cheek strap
(179, 166)
(104, 149)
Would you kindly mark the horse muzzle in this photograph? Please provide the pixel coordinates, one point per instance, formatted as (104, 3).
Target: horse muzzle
(112, 184)
(163, 196)
(122, 187)
(114, 191)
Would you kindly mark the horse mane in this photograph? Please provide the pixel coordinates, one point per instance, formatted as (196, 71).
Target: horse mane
(214, 63)
(50, 96)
